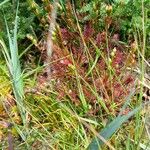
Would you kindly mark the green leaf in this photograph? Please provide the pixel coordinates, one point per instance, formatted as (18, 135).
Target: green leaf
(62, 3)
(2, 3)
(111, 128)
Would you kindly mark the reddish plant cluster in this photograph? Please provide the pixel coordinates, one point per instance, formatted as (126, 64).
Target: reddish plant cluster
(88, 31)
(111, 85)
(74, 55)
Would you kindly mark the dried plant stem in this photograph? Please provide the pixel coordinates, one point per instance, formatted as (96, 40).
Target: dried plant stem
(49, 44)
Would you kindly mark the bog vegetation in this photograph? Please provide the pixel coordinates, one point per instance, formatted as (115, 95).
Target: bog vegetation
(74, 75)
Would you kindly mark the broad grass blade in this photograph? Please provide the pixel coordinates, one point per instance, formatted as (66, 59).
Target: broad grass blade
(111, 128)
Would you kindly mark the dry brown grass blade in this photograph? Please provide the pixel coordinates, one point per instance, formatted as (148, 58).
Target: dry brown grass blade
(49, 44)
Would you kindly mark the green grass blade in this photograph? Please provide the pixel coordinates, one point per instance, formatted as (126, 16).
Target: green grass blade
(14, 67)
(93, 65)
(127, 102)
(4, 2)
(10, 47)
(62, 3)
(15, 37)
(5, 52)
(111, 128)
(17, 62)
(99, 99)
(25, 51)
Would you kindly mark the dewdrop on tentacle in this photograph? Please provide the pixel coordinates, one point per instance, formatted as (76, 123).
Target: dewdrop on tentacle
(113, 52)
(109, 8)
(109, 60)
(54, 34)
(71, 66)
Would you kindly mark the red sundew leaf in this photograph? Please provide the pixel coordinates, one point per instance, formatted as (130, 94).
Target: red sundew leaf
(91, 98)
(118, 72)
(102, 64)
(58, 70)
(65, 34)
(117, 85)
(41, 79)
(126, 111)
(83, 60)
(115, 37)
(129, 80)
(98, 39)
(66, 62)
(74, 97)
(74, 51)
(106, 84)
(118, 59)
(105, 79)
(101, 37)
(73, 94)
(77, 52)
(61, 95)
(88, 31)
(118, 90)
(10, 102)
(98, 83)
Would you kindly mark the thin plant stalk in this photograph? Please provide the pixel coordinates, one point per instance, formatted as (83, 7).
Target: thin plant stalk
(14, 67)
